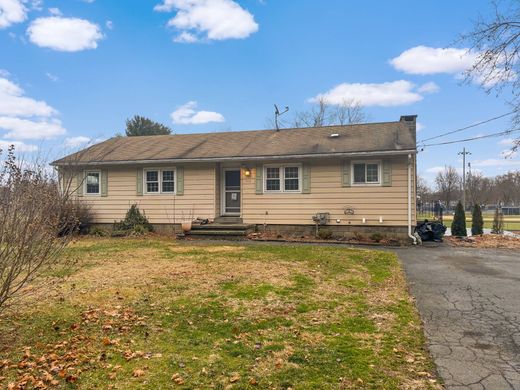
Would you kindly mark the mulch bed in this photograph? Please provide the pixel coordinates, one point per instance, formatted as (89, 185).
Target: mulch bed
(497, 241)
(275, 237)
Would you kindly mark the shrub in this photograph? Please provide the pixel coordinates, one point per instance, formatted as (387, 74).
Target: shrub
(325, 234)
(458, 226)
(97, 231)
(376, 237)
(498, 222)
(76, 216)
(31, 220)
(477, 223)
(135, 222)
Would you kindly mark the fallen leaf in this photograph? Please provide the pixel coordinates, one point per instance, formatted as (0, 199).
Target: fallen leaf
(252, 381)
(234, 378)
(138, 373)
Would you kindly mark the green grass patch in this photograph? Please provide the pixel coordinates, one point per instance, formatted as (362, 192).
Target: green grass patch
(149, 313)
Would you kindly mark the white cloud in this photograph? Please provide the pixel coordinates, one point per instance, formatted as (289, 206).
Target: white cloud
(185, 37)
(430, 60)
(429, 87)
(435, 169)
(507, 141)
(11, 12)
(494, 162)
(109, 24)
(23, 117)
(13, 103)
(18, 128)
(74, 142)
(52, 77)
(64, 34)
(419, 126)
(395, 93)
(55, 11)
(209, 19)
(186, 115)
(18, 146)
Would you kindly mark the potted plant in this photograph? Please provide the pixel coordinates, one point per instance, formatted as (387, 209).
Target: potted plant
(187, 221)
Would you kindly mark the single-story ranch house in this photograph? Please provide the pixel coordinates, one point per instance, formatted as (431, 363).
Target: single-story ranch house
(360, 178)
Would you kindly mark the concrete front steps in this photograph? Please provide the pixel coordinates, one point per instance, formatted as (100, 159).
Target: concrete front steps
(221, 230)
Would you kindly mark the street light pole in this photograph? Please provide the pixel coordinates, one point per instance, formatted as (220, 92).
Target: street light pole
(464, 153)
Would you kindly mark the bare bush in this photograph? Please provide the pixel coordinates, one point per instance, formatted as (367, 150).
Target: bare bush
(33, 227)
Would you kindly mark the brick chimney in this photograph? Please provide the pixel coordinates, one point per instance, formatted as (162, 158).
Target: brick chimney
(411, 122)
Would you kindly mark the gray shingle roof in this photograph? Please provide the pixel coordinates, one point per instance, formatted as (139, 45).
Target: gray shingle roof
(312, 141)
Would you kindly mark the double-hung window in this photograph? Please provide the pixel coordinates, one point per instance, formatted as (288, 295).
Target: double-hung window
(282, 178)
(159, 181)
(366, 173)
(93, 183)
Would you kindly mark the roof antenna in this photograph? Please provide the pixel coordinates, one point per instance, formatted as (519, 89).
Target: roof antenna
(277, 114)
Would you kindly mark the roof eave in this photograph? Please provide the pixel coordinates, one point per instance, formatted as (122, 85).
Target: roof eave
(241, 158)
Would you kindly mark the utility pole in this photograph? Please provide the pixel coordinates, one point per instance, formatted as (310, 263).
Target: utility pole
(464, 153)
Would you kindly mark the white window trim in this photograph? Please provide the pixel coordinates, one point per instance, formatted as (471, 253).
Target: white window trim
(160, 180)
(367, 184)
(86, 173)
(282, 189)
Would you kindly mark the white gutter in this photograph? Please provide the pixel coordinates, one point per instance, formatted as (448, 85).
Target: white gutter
(245, 158)
(410, 200)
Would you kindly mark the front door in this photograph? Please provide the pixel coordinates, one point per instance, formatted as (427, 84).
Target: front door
(231, 192)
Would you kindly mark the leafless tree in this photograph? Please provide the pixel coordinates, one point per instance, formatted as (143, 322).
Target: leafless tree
(496, 43)
(448, 184)
(33, 226)
(507, 189)
(424, 192)
(478, 188)
(325, 114)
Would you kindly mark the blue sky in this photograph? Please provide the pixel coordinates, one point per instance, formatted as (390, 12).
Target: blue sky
(72, 71)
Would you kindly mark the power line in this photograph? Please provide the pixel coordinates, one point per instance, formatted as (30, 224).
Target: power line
(506, 132)
(467, 127)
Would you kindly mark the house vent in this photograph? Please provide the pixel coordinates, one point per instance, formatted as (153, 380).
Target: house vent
(334, 135)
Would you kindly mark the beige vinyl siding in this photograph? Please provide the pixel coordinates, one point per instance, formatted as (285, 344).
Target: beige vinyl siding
(199, 196)
(328, 195)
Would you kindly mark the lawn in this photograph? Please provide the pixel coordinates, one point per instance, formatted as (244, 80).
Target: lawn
(153, 313)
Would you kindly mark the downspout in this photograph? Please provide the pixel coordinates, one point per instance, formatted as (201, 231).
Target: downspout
(410, 200)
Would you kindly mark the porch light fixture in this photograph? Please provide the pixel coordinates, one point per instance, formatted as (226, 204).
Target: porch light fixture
(247, 172)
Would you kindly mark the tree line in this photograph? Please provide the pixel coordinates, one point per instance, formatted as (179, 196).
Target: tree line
(502, 189)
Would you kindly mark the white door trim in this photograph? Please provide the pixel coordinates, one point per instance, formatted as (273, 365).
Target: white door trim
(223, 192)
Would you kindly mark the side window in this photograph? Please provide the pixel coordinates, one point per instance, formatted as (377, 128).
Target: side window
(272, 179)
(160, 181)
(152, 181)
(168, 181)
(283, 178)
(291, 179)
(359, 173)
(366, 173)
(92, 185)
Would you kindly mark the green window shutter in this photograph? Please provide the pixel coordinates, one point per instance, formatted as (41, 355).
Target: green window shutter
(139, 183)
(259, 180)
(80, 177)
(345, 174)
(387, 173)
(180, 180)
(104, 183)
(306, 179)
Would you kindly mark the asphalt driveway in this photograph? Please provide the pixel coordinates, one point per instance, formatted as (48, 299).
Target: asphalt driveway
(469, 300)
